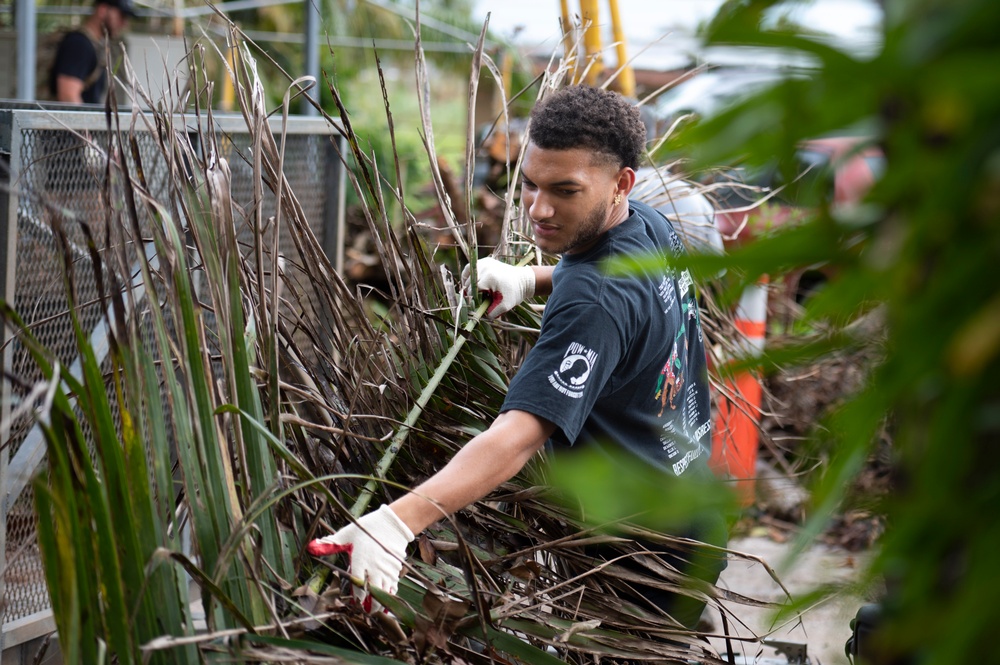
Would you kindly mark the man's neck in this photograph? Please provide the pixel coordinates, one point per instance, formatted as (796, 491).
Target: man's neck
(618, 215)
(94, 28)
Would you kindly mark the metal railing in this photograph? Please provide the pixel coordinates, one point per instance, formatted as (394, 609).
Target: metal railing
(46, 173)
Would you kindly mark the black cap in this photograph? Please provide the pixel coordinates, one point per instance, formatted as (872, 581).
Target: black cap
(125, 6)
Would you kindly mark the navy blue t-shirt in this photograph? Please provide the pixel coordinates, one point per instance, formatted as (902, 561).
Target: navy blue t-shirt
(77, 57)
(621, 360)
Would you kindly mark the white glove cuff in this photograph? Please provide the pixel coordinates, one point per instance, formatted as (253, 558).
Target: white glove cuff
(529, 282)
(391, 520)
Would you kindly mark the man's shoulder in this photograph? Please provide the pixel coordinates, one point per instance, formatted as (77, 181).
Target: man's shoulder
(77, 39)
(589, 293)
(643, 209)
(70, 52)
(649, 214)
(657, 227)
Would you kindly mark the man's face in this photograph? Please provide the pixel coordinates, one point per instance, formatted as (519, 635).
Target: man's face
(114, 20)
(569, 197)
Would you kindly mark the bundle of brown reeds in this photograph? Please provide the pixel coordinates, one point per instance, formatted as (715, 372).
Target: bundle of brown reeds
(253, 399)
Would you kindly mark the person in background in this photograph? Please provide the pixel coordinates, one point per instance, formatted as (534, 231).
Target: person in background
(619, 363)
(79, 73)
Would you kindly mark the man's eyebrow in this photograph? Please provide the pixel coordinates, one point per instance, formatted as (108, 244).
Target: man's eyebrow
(560, 183)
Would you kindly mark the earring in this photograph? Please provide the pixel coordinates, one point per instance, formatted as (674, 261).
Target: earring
(618, 199)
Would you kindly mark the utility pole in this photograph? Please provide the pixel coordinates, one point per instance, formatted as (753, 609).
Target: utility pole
(593, 60)
(626, 76)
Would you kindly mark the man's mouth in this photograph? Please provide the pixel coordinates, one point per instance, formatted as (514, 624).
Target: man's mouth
(544, 230)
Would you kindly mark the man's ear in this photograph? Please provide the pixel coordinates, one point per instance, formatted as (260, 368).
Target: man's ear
(626, 181)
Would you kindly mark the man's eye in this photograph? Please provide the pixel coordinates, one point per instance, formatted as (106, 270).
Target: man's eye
(568, 192)
(528, 185)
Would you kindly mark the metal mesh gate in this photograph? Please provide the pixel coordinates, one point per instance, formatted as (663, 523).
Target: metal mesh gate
(55, 176)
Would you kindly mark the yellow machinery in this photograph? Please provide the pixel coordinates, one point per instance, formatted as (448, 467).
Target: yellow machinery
(590, 17)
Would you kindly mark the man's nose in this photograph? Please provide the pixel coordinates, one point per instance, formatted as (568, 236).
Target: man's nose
(539, 208)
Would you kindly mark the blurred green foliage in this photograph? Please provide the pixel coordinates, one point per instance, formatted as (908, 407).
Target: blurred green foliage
(363, 98)
(923, 246)
(609, 489)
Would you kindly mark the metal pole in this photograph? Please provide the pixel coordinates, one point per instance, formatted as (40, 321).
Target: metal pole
(311, 54)
(26, 46)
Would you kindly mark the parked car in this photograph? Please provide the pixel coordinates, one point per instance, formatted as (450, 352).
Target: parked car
(841, 169)
(711, 91)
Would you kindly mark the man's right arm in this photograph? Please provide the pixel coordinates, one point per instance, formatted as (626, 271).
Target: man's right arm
(376, 543)
(483, 464)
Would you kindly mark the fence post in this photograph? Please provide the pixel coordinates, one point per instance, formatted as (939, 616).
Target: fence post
(334, 203)
(8, 263)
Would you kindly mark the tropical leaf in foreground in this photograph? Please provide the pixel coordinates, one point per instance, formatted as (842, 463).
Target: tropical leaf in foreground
(253, 399)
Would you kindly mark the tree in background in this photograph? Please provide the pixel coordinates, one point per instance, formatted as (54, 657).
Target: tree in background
(922, 248)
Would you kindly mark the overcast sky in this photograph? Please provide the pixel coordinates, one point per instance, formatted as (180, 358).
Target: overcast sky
(536, 22)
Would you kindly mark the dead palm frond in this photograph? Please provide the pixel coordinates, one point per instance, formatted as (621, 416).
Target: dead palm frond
(261, 401)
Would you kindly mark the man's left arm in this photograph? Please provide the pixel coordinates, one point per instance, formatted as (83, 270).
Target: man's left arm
(508, 285)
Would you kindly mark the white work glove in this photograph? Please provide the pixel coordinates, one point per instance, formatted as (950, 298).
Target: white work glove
(507, 285)
(376, 547)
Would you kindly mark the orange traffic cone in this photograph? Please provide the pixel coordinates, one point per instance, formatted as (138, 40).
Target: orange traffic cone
(736, 436)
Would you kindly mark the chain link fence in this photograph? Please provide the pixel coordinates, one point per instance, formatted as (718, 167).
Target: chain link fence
(50, 176)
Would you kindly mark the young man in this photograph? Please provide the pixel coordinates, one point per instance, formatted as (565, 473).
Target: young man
(78, 72)
(619, 362)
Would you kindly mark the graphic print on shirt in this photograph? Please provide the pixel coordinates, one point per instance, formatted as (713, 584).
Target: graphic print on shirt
(680, 427)
(671, 380)
(574, 370)
(684, 283)
(667, 293)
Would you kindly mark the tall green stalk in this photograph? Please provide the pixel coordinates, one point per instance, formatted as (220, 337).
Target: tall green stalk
(399, 438)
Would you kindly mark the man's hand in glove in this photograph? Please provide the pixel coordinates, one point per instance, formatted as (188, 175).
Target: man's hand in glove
(507, 285)
(376, 547)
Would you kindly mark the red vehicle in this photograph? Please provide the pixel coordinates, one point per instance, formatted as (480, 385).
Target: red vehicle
(844, 168)
(843, 165)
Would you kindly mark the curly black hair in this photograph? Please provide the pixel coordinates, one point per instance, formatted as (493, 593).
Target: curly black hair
(582, 116)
